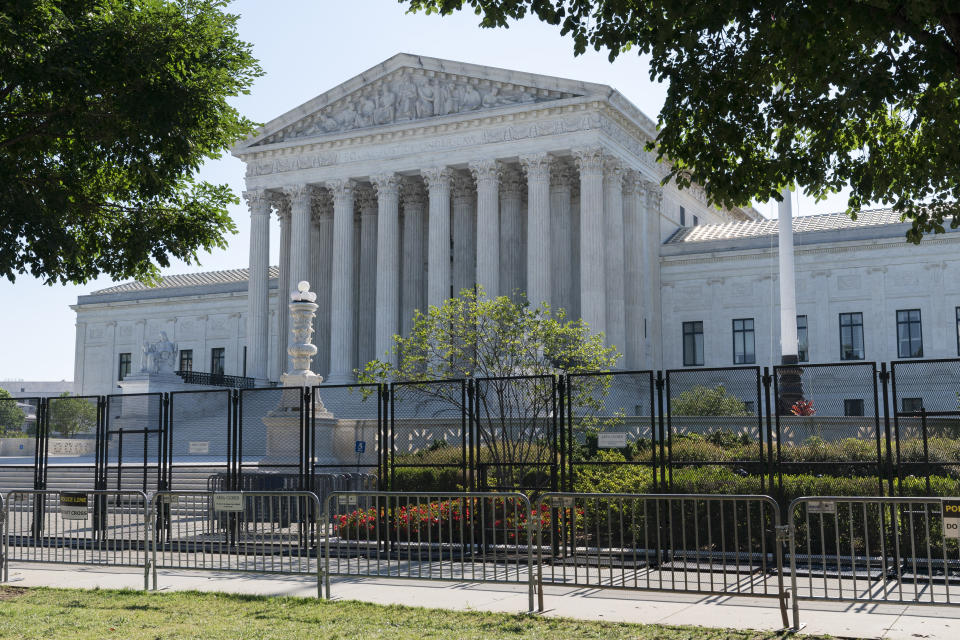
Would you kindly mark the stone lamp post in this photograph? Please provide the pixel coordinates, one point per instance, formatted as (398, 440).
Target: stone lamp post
(303, 308)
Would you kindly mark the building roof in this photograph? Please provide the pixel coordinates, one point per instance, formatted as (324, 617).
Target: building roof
(200, 279)
(765, 227)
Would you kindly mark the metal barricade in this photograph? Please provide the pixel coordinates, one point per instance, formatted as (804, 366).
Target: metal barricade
(242, 531)
(872, 549)
(714, 544)
(102, 528)
(463, 537)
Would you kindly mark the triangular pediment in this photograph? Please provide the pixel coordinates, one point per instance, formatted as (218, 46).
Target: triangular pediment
(409, 88)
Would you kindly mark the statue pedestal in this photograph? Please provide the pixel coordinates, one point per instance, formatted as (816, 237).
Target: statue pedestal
(283, 431)
(144, 382)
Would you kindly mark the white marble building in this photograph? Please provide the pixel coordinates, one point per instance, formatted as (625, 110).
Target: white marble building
(420, 177)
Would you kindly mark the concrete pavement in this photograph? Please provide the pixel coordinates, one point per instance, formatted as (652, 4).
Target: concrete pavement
(837, 619)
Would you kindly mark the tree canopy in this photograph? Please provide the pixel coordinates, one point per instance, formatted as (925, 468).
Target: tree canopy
(71, 415)
(764, 94)
(107, 110)
(11, 415)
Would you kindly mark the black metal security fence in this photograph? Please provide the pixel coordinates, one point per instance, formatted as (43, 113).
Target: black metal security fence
(854, 428)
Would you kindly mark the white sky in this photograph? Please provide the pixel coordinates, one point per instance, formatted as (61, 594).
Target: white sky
(305, 50)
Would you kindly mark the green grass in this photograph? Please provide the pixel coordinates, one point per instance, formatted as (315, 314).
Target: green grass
(79, 615)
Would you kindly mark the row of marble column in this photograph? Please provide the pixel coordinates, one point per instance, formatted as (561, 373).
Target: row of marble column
(376, 251)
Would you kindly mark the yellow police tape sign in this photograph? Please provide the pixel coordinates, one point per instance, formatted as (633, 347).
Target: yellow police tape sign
(951, 519)
(73, 506)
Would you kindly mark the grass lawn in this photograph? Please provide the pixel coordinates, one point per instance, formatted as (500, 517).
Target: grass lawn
(79, 615)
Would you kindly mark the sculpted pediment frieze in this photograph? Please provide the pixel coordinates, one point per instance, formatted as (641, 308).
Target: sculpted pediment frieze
(408, 95)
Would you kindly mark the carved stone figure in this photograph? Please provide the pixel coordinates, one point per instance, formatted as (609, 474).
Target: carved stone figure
(385, 109)
(426, 95)
(442, 99)
(365, 108)
(158, 357)
(406, 101)
(470, 98)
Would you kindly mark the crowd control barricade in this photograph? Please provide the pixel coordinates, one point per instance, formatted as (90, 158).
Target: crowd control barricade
(101, 528)
(712, 544)
(873, 549)
(463, 537)
(241, 531)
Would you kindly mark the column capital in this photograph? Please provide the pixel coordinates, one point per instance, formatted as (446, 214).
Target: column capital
(366, 200)
(298, 194)
(631, 182)
(322, 202)
(612, 171)
(341, 188)
(386, 184)
(282, 206)
(258, 201)
(511, 182)
(589, 160)
(412, 191)
(561, 175)
(437, 177)
(537, 166)
(654, 194)
(486, 171)
(463, 188)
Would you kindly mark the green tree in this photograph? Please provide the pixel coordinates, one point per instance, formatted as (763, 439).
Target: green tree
(495, 341)
(70, 416)
(107, 110)
(11, 415)
(704, 401)
(764, 94)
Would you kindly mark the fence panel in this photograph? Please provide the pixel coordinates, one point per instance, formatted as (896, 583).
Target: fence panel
(716, 544)
(346, 428)
(715, 430)
(612, 412)
(103, 528)
(269, 443)
(515, 421)
(250, 531)
(199, 440)
(828, 424)
(926, 415)
(135, 428)
(19, 418)
(70, 445)
(872, 549)
(463, 537)
(429, 438)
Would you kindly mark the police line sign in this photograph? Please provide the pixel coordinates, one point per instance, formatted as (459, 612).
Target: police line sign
(951, 519)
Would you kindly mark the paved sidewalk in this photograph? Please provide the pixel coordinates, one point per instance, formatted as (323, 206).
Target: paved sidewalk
(837, 619)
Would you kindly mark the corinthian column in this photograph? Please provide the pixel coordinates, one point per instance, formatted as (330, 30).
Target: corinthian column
(299, 197)
(650, 229)
(322, 274)
(366, 318)
(486, 173)
(613, 253)
(258, 303)
(562, 251)
(464, 233)
(537, 168)
(414, 213)
(283, 287)
(633, 271)
(438, 234)
(342, 328)
(512, 255)
(593, 304)
(388, 264)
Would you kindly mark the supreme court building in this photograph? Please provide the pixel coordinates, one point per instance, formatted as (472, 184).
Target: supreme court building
(421, 177)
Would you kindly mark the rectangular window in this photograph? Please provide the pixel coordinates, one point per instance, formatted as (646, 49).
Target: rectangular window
(123, 366)
(911, 404)
(803, 347)
(696, 220)
(693, 344)
(186, 360)
(244, 361)
(851, 336)
(743, 342)
(683, 217)
(853, 407)
(909, 334)
(217, 361)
